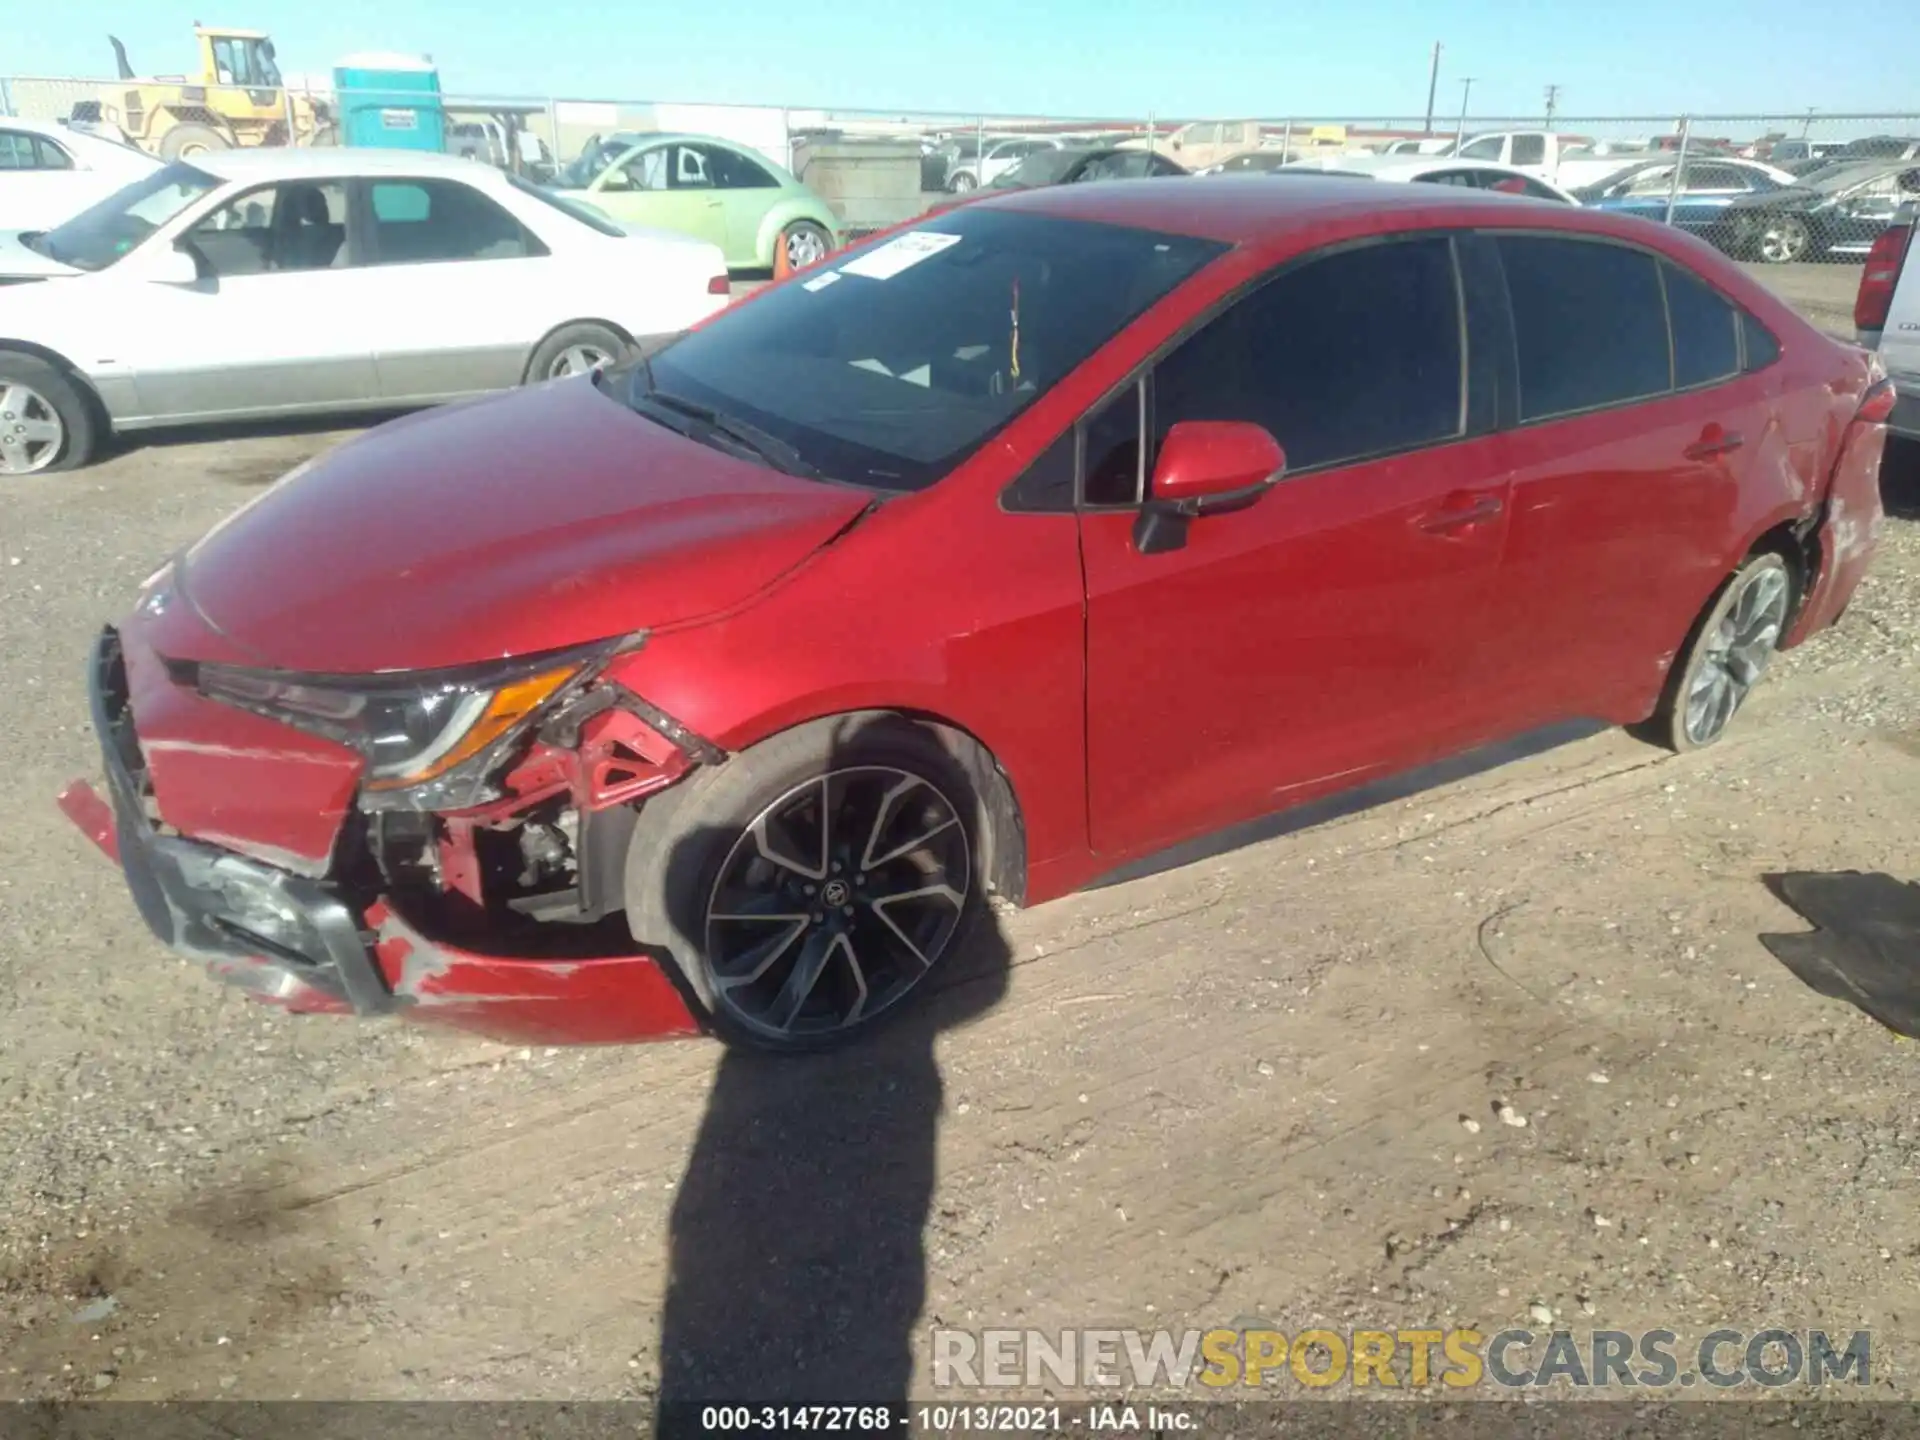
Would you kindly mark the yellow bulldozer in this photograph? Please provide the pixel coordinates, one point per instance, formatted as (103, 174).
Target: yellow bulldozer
(238, 99)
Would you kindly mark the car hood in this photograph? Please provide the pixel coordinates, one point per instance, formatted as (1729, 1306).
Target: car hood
(19, 261)
(546, 517)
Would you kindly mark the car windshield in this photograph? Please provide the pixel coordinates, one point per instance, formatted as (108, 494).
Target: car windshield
(102, 233)
(584, 168)
(1043, 167)
(888, 368)
(1845, 177)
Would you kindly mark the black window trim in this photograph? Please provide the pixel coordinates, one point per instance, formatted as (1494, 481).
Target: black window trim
(1142, 373)
(1490, 371)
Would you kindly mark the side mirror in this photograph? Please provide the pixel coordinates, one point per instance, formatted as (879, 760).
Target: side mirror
(173, 266)
(1206, 467)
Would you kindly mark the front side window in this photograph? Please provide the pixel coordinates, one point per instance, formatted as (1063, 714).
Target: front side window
(690, 169)
(103, 232)
(426, 221)
(889, 367)
(1590, 324)
(298, 225)
(1486, 148)
(647, 169)
(1352, 355)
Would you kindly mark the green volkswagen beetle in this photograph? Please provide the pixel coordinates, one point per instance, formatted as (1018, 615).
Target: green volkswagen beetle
(707, 187)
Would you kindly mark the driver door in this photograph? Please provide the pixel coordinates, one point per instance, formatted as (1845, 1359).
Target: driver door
(1334, 629)
(274, 325)
(665, 185)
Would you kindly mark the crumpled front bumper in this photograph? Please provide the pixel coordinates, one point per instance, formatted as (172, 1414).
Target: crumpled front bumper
(306, 945)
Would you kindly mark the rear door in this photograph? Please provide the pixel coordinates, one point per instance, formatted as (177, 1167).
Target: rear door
(1627, 457)
(1900, 337)
(464, 290)
(1332, 629)
(275, 324)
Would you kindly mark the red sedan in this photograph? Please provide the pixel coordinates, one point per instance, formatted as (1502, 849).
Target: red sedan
(719, 692)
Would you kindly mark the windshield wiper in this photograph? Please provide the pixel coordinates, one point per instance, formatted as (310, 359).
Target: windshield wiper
(717, 423)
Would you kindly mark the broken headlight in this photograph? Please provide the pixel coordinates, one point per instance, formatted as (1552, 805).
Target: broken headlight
(431, 738)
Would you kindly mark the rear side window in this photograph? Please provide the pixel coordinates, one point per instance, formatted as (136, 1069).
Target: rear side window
(421, 221)
(1706, 330)
(1352, 355)
(1590, 324)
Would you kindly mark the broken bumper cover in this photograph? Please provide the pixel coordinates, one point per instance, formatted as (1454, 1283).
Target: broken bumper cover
(302, 944)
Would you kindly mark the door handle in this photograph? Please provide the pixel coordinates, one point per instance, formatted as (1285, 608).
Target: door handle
(1707, 447)
(1477, 511)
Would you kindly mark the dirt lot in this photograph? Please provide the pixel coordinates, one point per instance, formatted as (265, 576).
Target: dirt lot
(1239, 1088)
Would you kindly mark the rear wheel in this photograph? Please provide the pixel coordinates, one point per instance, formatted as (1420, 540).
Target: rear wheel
(575, 350)
(807, 887)
(1726, 656)
(46, 423)
(961, 182)
(183, 142)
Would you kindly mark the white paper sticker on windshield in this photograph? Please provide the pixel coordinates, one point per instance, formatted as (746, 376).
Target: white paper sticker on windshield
(900, 253)
(820, 282)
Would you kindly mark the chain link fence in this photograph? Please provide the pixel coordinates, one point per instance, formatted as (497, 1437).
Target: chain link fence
(877, 168)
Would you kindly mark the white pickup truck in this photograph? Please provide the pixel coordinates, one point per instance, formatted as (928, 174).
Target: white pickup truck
(1886, 314)
(1558, 159)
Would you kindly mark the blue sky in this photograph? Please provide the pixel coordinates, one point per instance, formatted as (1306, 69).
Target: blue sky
(1364, 59)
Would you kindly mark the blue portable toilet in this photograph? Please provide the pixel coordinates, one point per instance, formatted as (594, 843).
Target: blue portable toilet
(390, 102)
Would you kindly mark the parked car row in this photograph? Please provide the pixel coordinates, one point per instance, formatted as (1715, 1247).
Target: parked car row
(272, 282)
(497, 716)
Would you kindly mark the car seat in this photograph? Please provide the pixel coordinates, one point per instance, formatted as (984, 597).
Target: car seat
(304, 235)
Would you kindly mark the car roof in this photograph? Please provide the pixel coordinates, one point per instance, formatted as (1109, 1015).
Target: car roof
(271, 162)
(1231, 210)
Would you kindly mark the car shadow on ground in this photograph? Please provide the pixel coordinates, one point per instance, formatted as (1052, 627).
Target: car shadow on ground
(798, 1238)
(243, 469)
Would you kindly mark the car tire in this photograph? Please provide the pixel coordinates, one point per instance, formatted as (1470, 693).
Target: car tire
(961, 182)
(804, 243)
(1782, 240)
(1725, 656)
(187, 140)
(727, 844)
(47, 422)
(575, 350)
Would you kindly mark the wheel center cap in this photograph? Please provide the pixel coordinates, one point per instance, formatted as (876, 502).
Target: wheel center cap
(836, 892)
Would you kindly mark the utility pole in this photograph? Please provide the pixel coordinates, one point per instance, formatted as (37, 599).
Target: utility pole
(1553, 103)
(1460, 130)
(1433, 84)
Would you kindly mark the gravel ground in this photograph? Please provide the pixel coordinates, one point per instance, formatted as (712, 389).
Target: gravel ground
(1266, 1084)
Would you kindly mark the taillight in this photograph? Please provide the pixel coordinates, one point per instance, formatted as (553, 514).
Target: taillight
(719, 285)
(1876, 406)
(1882, 273)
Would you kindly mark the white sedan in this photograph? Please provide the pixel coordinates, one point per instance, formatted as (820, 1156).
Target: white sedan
(50, 171)
(260, 283)
(1435, 170)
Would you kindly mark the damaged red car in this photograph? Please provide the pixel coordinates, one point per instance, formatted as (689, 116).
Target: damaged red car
(718, 691)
